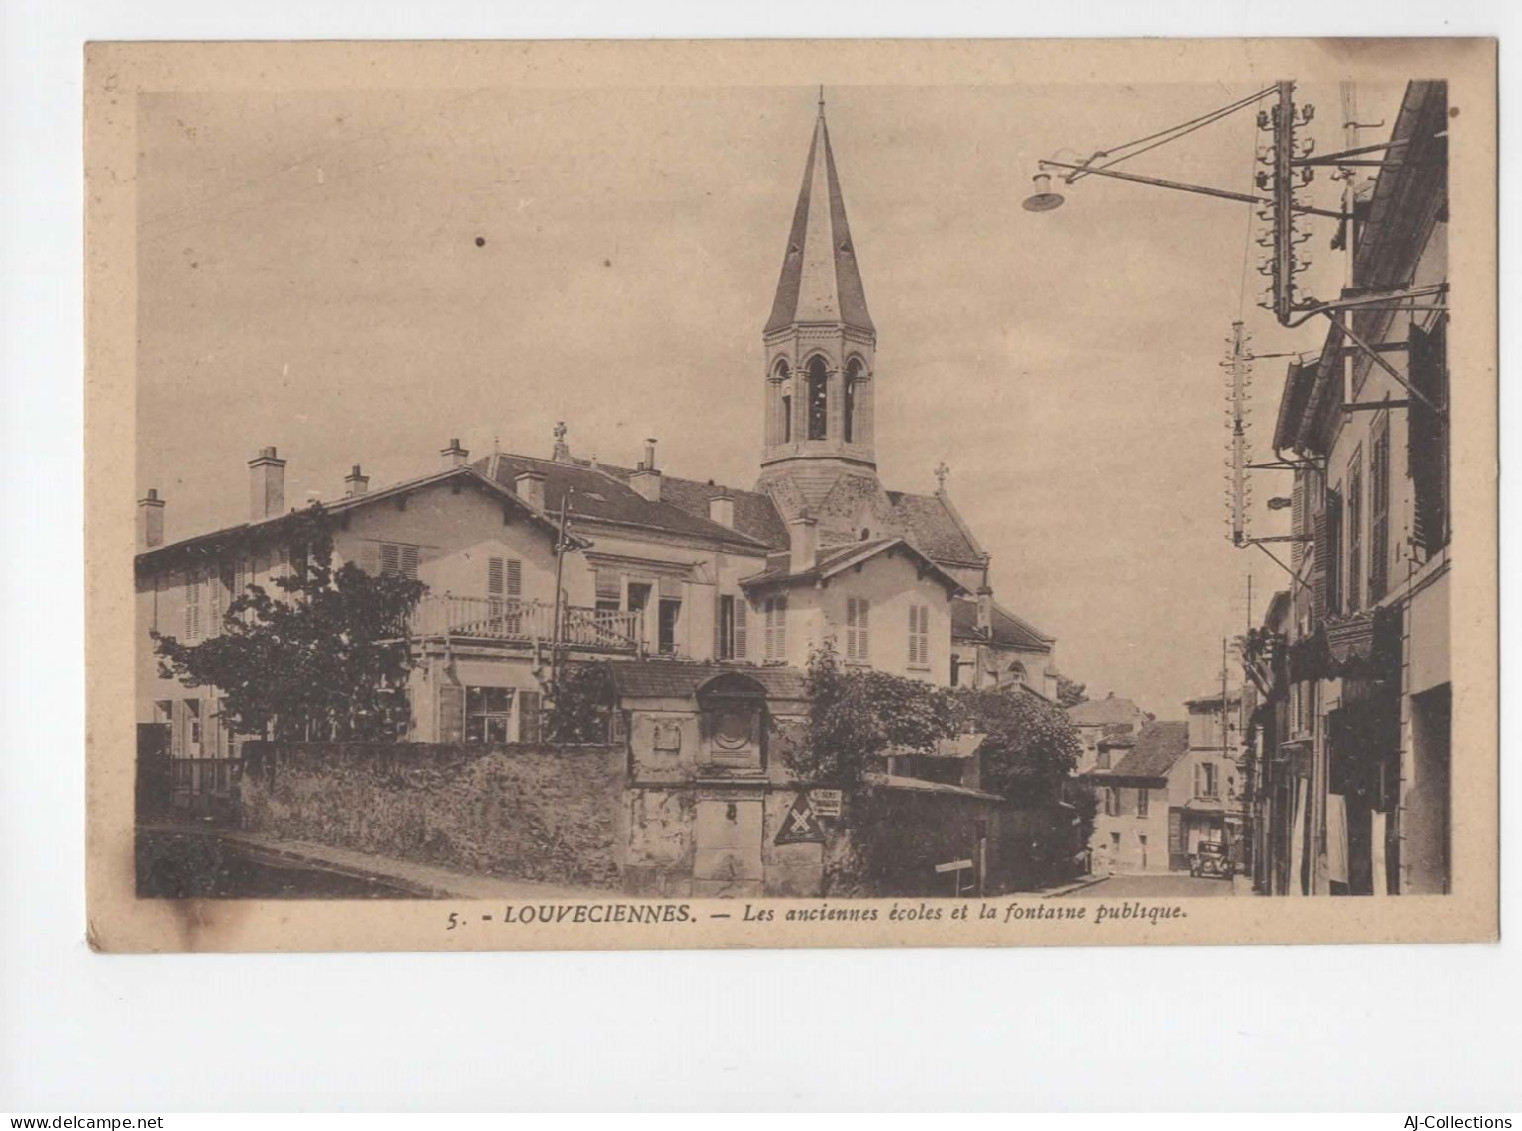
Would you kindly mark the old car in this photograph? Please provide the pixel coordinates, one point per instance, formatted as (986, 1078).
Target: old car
(1210, 859)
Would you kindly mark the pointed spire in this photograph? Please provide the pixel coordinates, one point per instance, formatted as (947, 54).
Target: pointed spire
(820, 280)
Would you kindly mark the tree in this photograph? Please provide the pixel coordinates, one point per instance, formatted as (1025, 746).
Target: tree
(858, 713)
(583, 704)
(1070, 692)
(325, 658)
(1030, 746)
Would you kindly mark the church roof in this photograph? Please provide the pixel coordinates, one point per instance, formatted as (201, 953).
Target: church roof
(936, 528)
(820, 281)
(602, 495)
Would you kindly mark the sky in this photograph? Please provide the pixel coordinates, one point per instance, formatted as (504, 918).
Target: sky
(358, 277)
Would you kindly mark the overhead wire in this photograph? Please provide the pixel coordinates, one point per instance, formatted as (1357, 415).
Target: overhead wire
(1172, 133)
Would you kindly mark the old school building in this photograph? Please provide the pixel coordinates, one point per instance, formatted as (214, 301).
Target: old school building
(655, 570)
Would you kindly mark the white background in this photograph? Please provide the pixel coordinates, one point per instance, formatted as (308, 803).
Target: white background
(1391, 1028)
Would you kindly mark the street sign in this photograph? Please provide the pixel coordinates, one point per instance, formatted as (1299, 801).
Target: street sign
(954, 866)
(826, 802)
(801, 825)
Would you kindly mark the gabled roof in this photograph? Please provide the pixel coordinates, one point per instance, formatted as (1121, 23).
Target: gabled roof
(820, 281)
(936, 528)
(1009, 630)
(1158, 748)
(215, 541)
(836, 559)
(676, 679)
(604, 495)
(1110, 710)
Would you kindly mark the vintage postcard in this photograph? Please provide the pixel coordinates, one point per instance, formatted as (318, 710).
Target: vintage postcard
(667, 494)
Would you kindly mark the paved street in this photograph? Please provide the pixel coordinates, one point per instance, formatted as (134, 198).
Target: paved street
(1169, 885)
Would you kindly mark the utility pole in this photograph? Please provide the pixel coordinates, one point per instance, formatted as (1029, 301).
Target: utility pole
(557, 635)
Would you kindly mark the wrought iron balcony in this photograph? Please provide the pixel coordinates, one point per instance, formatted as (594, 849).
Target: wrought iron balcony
(517, 621)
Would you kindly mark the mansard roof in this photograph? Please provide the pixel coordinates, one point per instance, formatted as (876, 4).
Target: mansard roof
(820, 281)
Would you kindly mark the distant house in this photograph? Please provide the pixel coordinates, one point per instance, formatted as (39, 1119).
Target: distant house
(1097, 719)
(1144, 788)
(1216, 808)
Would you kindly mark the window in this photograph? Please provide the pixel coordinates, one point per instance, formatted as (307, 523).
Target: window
(848, 416)
(784, 404)
(1205, 779)
(1017, 674)
(670, 616)
(818, 399)
(504, 586)
(398, 559)
(1102, 759)
(1112, 804)
(774, 614)
(195, 584)
(504, 577)
(1143, 803)
(856, 629)
(1115, 843)
(731, 628)
(919, 636)
(1379, 509)
(488, 711)
(1354, 576)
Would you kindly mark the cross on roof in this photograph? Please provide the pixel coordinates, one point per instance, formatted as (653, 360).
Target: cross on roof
(941, 472)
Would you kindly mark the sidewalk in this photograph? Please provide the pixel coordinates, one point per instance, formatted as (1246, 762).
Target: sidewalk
(425, 881)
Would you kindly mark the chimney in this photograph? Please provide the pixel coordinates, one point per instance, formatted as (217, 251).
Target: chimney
(454, 455)
(721, 509)
(985, 603)
(356, 482)
(646, 479)
(150, 520)
(530, 488)
(266, 496)
(804, 544)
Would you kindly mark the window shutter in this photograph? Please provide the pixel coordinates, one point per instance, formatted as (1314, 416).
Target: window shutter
(851, 631)
(862, 608)
(1427, 452)
(608, 584)
(739, 630)
(671, 588)
(781, 628)
(1297, 520)
(495, 580)
(409, 562)
(514, 577)
(1199, 788)
(529, 722)
(390, 559)
(451, 713)
(1320, 552)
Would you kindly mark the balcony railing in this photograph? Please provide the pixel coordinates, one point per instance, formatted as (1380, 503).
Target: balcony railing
(519, 621)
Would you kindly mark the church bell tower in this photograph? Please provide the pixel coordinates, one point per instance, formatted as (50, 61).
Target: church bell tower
(819, 346)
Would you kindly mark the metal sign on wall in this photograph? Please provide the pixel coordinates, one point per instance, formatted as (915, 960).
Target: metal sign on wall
(801, 825)
(826, 802)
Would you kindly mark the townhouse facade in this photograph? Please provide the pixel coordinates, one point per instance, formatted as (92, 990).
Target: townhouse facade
(1351, 738)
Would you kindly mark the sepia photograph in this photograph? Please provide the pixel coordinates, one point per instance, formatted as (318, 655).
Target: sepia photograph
(601, 495)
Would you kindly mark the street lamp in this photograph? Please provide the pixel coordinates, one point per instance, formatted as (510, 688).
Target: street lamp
(1043, 199)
